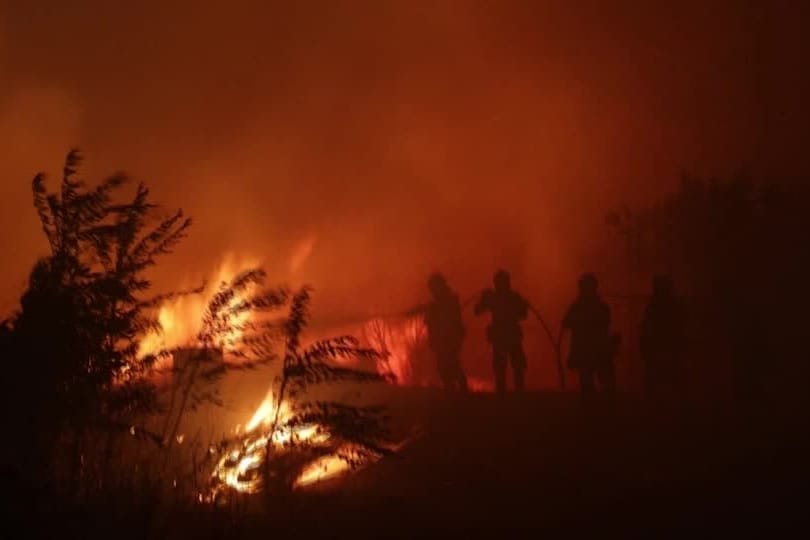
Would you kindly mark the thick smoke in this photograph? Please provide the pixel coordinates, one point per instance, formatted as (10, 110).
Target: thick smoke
(38, 121)
(392, 138)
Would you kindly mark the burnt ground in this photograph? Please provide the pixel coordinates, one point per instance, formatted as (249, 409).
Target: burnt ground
(539, 462)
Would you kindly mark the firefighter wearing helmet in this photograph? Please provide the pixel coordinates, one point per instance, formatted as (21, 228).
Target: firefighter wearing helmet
(593, 347)
(446, 332)
(507, 309)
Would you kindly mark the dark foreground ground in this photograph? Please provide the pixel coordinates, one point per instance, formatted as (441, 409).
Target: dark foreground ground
(539, 462)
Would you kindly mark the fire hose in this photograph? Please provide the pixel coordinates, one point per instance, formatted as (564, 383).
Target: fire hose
(556, 344)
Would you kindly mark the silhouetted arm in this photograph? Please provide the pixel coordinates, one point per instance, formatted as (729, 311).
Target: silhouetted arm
(523, 308)
(416, 310)
(484, 303)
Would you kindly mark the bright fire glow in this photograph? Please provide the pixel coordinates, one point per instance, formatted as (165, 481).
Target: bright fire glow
(321, 469)
(240, 468)
(181, 319)
(401, 340)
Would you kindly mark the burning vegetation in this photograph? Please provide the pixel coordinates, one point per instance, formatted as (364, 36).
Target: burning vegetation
(114, 349)
(293, 440)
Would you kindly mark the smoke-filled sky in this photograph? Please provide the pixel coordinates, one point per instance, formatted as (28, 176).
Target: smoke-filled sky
(393, 137)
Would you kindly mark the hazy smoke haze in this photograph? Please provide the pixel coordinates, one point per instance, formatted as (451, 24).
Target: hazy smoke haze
(393, 138)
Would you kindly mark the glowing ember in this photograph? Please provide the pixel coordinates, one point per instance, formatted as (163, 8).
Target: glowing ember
(262, 415)
(480, 385)
(322, 469)
(240, 469)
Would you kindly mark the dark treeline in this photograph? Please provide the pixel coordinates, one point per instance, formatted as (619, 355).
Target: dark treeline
(736, 250)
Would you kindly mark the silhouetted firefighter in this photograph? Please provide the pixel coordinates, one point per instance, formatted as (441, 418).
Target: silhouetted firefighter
(446, 332)
(592, 345)
(445, 329)
(661, 342)
(508, 309)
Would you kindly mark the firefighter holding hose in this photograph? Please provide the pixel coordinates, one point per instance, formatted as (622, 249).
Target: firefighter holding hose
(508, 309)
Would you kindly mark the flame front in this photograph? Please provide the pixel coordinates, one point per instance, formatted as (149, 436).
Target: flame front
(400, 340)
(181, 319)
(239, 469)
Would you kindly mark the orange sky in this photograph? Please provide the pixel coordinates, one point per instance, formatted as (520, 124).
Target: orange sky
(401, 136)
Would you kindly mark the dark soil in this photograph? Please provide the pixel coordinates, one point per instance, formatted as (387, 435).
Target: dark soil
(538, 462)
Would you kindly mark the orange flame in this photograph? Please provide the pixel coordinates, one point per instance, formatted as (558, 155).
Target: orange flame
(181, 319)
(237, 469)
(400, 341)
(321, 469)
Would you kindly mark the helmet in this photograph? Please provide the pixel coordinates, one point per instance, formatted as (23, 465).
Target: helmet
(588, 284)
(437, 282)
(502, 280)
